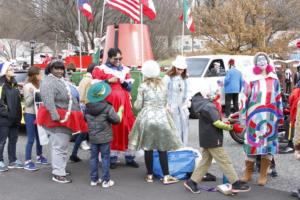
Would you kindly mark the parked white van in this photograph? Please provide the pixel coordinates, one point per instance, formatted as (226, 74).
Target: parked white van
(204, 78)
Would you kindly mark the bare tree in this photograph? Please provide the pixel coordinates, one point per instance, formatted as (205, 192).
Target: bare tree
(247, 26)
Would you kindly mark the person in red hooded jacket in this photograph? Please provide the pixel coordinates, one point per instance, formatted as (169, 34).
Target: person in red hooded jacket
(293, 102)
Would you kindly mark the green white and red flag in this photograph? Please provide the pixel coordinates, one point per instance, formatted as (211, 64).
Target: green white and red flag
(187, 16)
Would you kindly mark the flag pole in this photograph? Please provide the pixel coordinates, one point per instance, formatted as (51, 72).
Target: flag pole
(102, 20)
(79, 37)
(142, 30)
(182, 35)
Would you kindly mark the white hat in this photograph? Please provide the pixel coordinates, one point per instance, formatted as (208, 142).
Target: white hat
(4, 68)
(180, 62)
(150, 69)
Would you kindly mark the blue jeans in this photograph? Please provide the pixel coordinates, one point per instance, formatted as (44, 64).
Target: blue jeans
(79, 138)
(104, 149)
(32, 133)
(10, 132)
(129, 156)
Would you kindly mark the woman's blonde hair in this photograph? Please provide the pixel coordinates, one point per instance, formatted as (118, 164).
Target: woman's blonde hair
(157, 82)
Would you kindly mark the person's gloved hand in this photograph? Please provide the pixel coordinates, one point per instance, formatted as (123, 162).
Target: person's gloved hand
(237, 128)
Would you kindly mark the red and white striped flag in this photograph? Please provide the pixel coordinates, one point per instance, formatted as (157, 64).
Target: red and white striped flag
(86, 9)
(149, 9)
(187, 16)
(132, 8)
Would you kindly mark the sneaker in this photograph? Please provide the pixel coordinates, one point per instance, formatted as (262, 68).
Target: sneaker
(95, 183)
(169, 180)
(3, 167)
(68, 173)
(16, 165)
(133, 164)
(84, 145)
(149, 178)
(107, 184)
(296, 193)
(191, 186)
(42, 160)
(286, 150)
(30, 166)
(240, 186)
(75, 159)
(273, 172)
(61, 179)
(113, 165)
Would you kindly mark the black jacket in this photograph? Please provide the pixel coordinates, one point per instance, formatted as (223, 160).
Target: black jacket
(99, 117)
(209, 135)
(10, 103)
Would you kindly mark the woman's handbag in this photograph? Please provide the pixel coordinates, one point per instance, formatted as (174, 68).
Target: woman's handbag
(42, 132)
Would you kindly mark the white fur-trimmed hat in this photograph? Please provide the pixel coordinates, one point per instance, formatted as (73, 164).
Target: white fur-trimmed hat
(261, 54)
(180, 62)
(3, 68)
(150, 69)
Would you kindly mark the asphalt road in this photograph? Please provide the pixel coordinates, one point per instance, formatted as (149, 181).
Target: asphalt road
(130, 184)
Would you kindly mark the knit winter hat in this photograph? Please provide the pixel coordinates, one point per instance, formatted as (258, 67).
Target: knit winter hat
(3, 68)
(151, 69)
(231, 62)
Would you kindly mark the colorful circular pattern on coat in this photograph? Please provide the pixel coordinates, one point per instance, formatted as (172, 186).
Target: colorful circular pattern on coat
(262, 123)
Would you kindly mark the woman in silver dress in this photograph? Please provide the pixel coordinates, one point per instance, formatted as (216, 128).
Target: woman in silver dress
(154, 128)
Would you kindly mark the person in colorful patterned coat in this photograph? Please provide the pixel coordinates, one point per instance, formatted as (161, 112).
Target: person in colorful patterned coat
(261, 114)
(118, 77)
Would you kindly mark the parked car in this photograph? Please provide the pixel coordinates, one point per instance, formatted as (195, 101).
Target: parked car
(202, 79)
(21, 77)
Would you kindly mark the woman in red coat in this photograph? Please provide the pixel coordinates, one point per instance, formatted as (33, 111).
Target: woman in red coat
(118, 77)
(293, 102)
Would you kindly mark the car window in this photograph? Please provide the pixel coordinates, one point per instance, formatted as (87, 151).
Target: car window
(20, 77)
(196, 66)
(216, 69)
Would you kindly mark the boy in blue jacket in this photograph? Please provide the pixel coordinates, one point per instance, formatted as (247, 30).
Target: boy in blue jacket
(100, 115)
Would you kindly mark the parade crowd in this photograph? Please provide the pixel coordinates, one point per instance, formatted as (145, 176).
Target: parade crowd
(100, 109)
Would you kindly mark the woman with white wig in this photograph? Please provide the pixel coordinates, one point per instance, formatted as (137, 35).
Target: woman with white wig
(154, 128)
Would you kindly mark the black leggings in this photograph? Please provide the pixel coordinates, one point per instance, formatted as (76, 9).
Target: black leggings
(163, 159)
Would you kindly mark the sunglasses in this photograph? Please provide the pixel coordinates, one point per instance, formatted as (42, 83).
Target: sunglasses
(118, 59)
(58, 67)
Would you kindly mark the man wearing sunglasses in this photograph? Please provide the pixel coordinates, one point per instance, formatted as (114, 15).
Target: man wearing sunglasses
(118, 76)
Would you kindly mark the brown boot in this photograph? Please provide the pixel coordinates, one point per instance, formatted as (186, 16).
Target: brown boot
(248, 171)
(264, 167)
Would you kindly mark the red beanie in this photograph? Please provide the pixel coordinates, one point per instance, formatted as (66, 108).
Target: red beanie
(231, 62)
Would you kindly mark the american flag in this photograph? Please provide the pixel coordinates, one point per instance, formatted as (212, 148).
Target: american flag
(132, 8)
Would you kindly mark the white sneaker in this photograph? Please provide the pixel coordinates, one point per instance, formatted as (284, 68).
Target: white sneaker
(84, 145)
(96, 183)
(107, 184)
